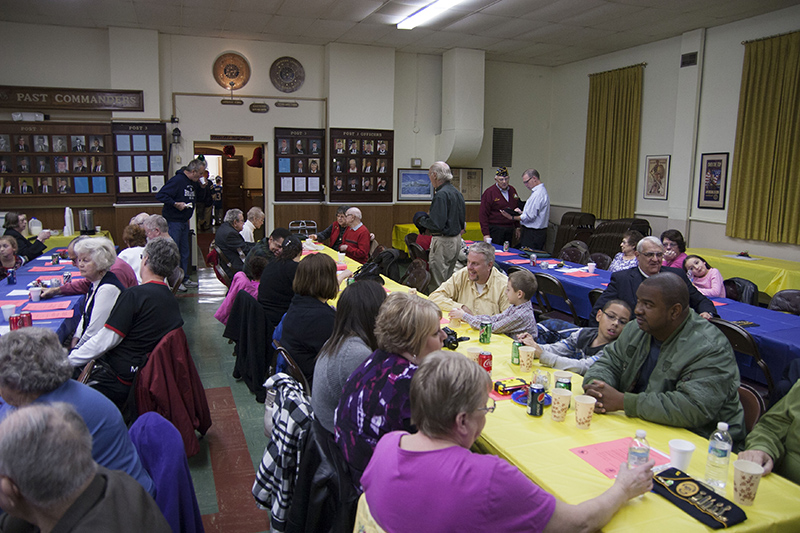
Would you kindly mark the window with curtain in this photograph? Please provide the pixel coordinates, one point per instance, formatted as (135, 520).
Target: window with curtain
(612, 142)
(765, 184)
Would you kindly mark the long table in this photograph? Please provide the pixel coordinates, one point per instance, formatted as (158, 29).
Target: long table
(399, 232)
(62, 326)
(771, 275)
(540, 448)
(776, 334)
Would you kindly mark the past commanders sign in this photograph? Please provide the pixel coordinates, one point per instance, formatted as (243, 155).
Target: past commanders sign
(80, 99)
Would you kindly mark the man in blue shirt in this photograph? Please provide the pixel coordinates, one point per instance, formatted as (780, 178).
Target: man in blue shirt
(178, 196)
(536, 215)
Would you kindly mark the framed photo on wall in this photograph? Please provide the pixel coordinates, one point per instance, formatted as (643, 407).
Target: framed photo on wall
(656, 177)
(713, 181)
(413, 185)
(362, 165)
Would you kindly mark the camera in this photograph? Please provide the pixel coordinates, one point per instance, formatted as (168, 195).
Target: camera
(452, 340)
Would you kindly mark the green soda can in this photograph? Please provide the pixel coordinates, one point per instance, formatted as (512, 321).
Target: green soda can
(515, 352)
(486, 333)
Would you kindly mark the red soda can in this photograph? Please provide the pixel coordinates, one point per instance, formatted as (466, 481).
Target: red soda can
(15, 322)
(27, 319)
(485, 360)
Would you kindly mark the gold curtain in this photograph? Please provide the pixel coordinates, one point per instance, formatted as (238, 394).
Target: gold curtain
(765, 179)
(612, 143)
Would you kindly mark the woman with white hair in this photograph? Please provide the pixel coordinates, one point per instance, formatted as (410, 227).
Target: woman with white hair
(95, 258)
(433, 469)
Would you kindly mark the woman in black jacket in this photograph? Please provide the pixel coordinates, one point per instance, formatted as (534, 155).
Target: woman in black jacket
(15, 224)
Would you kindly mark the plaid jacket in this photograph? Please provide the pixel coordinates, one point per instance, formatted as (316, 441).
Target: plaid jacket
(277, 473)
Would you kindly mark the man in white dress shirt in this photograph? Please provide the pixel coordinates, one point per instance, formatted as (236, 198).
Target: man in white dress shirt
(536, 215)
(255, 219)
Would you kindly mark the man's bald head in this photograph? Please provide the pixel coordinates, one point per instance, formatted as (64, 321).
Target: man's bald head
(673, 289)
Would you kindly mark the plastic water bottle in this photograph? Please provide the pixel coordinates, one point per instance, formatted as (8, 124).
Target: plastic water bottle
(639, 450)
(719, 455)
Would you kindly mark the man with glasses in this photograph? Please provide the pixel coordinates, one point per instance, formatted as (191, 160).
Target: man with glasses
(356, 239)
(649, 255)
(231, 243)
(671, 367)
(536, 215)
(494, 201)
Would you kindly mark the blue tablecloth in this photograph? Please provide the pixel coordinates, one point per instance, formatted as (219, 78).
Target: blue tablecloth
(777, 334)
(64, 327)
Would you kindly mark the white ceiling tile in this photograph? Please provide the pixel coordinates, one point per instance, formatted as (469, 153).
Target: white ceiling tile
(514, 28)
(241, 35)
(476, 23)
(418, 49)
(438, 39)
(111, 13)
(287, 25)
(201, 17)
(304, 8)
(221, 5)
(476, 41)
(515, 8)
(505, 46)
(364, 33)
(352, 10)
(157, 15)
(256, 6)
(562, 9)
(245, 22)
(599, 15)
(328, 29)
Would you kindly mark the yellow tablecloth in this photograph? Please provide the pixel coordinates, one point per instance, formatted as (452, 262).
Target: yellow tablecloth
(62, 241)
(771, 275)
(540, 448)
(400, 231)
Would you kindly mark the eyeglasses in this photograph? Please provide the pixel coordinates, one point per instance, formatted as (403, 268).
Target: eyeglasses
(657, 255)
(489, 408)
(614, 318)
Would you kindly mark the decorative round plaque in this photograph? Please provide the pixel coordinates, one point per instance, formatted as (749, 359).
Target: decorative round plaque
(287, 74)
(231, 71)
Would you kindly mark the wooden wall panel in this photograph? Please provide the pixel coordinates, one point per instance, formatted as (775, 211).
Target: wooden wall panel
(379, 219)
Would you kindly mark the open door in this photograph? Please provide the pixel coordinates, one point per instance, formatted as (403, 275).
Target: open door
(232, 183)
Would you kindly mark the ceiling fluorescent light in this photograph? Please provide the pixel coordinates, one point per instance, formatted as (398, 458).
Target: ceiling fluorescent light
(427, 13)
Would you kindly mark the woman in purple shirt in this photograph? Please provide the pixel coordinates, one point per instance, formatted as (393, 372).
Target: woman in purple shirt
(430, 481)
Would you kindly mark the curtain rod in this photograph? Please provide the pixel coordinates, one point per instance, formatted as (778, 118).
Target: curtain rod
(616, 69)
(770, 37)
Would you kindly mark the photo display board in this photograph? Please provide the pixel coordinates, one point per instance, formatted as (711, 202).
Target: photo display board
(362, 165)
(48, 160)
(140, 160)
(299, 164)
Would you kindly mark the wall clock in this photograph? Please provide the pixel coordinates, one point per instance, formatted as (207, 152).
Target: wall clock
(287, 74)
(231, 71)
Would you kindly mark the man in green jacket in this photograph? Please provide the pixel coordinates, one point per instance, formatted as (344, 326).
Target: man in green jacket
(775, 441)
(672, 367)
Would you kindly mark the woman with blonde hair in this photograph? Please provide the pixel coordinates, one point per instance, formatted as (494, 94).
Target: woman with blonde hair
(375, 399)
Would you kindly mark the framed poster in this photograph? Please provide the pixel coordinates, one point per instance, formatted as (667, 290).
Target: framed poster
(413, 185)
(656, 177)
(299, 164)
(713, 181)
(469, 182)
(362, 165)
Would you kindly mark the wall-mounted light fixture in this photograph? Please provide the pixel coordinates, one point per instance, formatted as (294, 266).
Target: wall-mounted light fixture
(176, 135)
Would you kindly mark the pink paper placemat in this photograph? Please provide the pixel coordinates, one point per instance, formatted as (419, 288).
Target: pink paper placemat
(519, 261)
(581, 274)
(718, 304)
(12, 302)
(46, 306)
(49, 315)
(505, 253)
(606, 457)
(54, 268)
